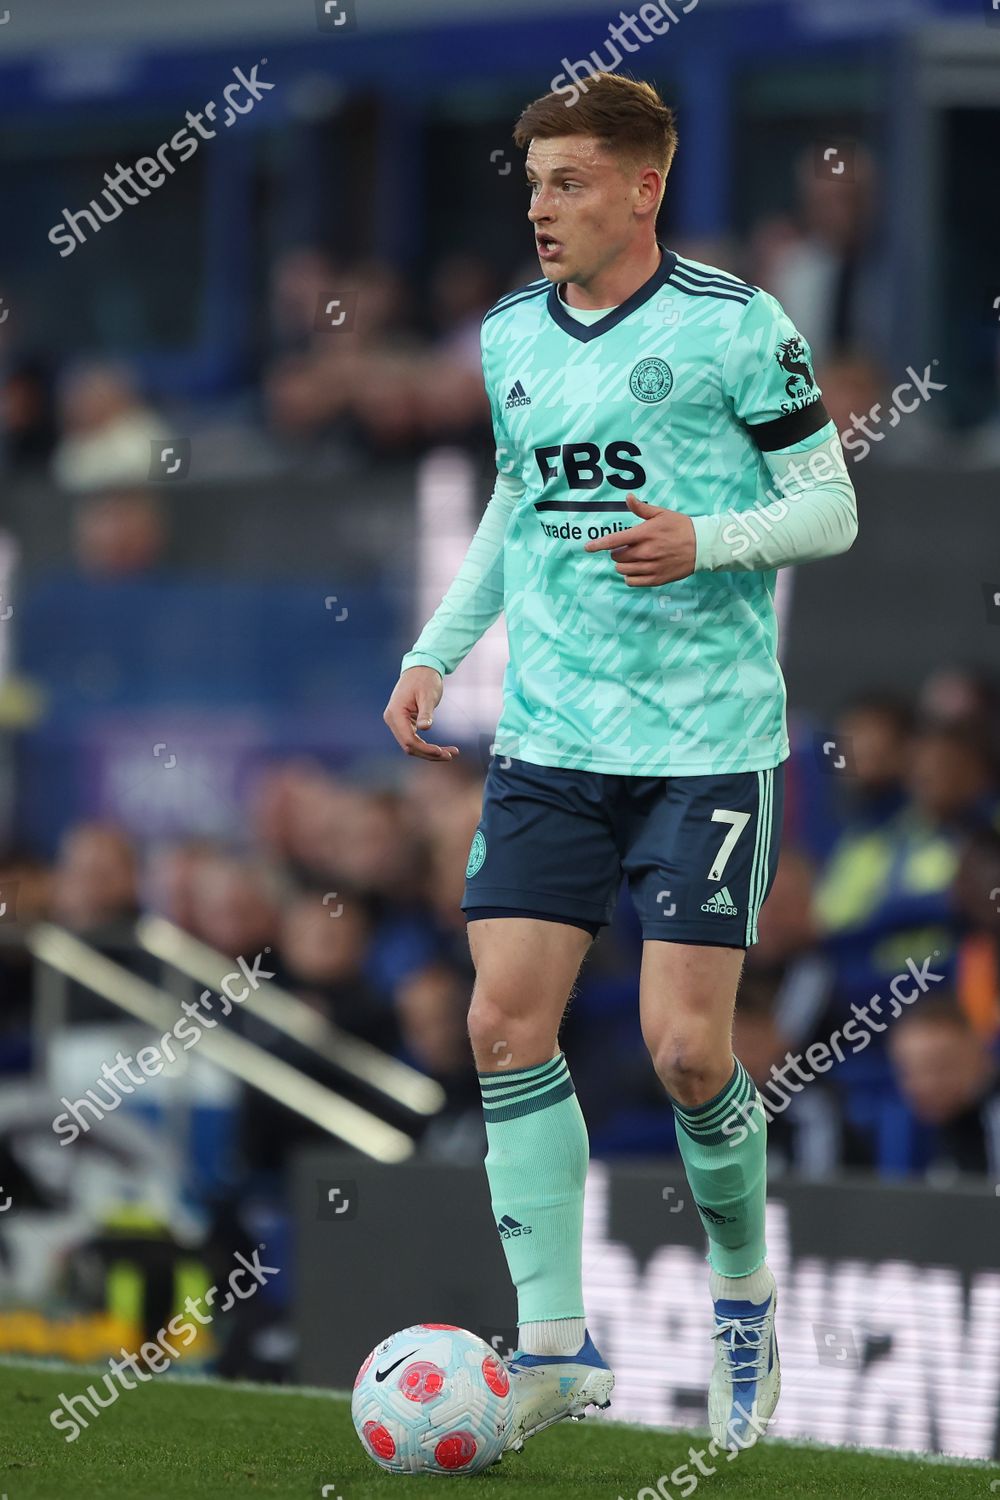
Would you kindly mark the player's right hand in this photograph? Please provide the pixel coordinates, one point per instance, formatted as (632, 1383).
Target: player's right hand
(411, 707)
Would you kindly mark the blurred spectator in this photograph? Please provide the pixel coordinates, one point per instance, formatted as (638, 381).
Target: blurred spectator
(977, 896)
(886, 893)
(367, 384)
(875, 729)
(322, 948)
(25, 896)
(235, 904)
(951, 778)
(432, 1006)
(27, 415)
(964, 697)
(107, 430)
(95, 880)
(119, 535)
(950, 1081)
(786, 926)
(302, 282)
(828, 273)
(807, 1132)
(169, 884)
(462, 287)
(852, 385)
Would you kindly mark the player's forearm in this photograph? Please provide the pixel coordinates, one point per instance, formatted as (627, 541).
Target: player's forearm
(475, 597)
(811, 513)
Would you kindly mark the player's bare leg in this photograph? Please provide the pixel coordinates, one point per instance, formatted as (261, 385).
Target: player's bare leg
(525, 972)
(687, 998)
(537, 1159)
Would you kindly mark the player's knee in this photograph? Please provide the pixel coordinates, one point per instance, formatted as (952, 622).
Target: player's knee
(490, 1022)
(690, 1067)
(503, 1038)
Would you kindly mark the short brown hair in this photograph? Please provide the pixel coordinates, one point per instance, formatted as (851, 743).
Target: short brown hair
(626, 115)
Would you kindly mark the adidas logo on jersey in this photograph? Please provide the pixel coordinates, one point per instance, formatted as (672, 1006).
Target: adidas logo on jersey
(509, 1228)
(721, 904)
(517, 396)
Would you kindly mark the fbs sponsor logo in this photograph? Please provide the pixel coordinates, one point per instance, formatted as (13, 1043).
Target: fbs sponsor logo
(517, 396)
(510, 1228)
(721, 904)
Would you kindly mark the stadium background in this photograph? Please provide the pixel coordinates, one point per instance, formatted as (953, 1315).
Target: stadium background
(243, 444)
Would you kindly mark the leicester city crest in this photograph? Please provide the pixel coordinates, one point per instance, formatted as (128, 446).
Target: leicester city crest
(651, 380)
(477, 855)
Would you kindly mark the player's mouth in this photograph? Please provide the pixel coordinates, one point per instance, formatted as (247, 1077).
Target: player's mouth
(548, 248)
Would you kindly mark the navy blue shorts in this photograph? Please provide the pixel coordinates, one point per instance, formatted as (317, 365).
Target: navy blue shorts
(699, 852)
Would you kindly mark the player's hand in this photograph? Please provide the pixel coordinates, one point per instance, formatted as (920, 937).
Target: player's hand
(411, 707)
(661, 550)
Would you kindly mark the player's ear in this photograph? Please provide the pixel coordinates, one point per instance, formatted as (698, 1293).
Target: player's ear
(648, 191)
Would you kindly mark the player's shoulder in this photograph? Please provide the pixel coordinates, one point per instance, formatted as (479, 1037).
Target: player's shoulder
(514, 305)
(697, 279)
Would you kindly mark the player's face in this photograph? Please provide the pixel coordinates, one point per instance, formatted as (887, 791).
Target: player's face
(582, 206)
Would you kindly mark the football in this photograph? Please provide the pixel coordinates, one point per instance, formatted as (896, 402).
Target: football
(433, 1399)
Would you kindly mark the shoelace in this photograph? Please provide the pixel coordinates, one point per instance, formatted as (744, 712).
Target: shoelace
(744, 1333)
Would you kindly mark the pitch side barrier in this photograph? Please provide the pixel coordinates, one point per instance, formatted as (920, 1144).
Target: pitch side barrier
(64, 958)
(395, 1081)
(888, 1295)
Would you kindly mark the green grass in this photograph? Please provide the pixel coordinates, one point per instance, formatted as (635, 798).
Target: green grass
(190, 1439)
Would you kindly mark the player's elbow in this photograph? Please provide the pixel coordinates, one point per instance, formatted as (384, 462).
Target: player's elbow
(842, 534)
(848, 528)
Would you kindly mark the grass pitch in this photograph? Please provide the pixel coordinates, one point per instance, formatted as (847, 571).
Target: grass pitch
(191, 1439)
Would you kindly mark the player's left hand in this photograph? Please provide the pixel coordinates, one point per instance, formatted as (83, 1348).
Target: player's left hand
(661, 550)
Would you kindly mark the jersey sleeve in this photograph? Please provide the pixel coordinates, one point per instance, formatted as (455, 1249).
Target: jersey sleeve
(475, 598)
(768, 378)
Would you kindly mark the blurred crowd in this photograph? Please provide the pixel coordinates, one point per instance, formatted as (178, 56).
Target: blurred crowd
(890, 872)
(357, 362)
(888, 886)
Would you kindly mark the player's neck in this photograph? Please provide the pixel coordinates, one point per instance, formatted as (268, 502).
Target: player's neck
(616, 283)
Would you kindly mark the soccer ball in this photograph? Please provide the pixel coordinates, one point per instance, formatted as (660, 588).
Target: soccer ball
(433, 1399)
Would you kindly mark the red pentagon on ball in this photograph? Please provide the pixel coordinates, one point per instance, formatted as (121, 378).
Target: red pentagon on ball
(379, 1439)
(496, 1376)
(456, 1450)
(364, 1369)
(453, 1326)
(421, 1381)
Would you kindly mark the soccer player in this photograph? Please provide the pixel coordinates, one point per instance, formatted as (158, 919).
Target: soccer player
(662, 449)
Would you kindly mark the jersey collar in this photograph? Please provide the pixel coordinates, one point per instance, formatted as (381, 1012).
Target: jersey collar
(587, 331)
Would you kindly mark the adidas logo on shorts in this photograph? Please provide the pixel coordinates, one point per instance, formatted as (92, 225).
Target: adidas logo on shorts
(721, 904)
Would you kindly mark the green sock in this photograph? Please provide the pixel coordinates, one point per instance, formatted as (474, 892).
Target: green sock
(537, 1168)
(723, 1145)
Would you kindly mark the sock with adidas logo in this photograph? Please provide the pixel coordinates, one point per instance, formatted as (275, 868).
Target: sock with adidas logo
(723, 1145)
(536, 1163)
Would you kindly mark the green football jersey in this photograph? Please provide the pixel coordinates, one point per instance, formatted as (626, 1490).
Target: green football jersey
(678, 395)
